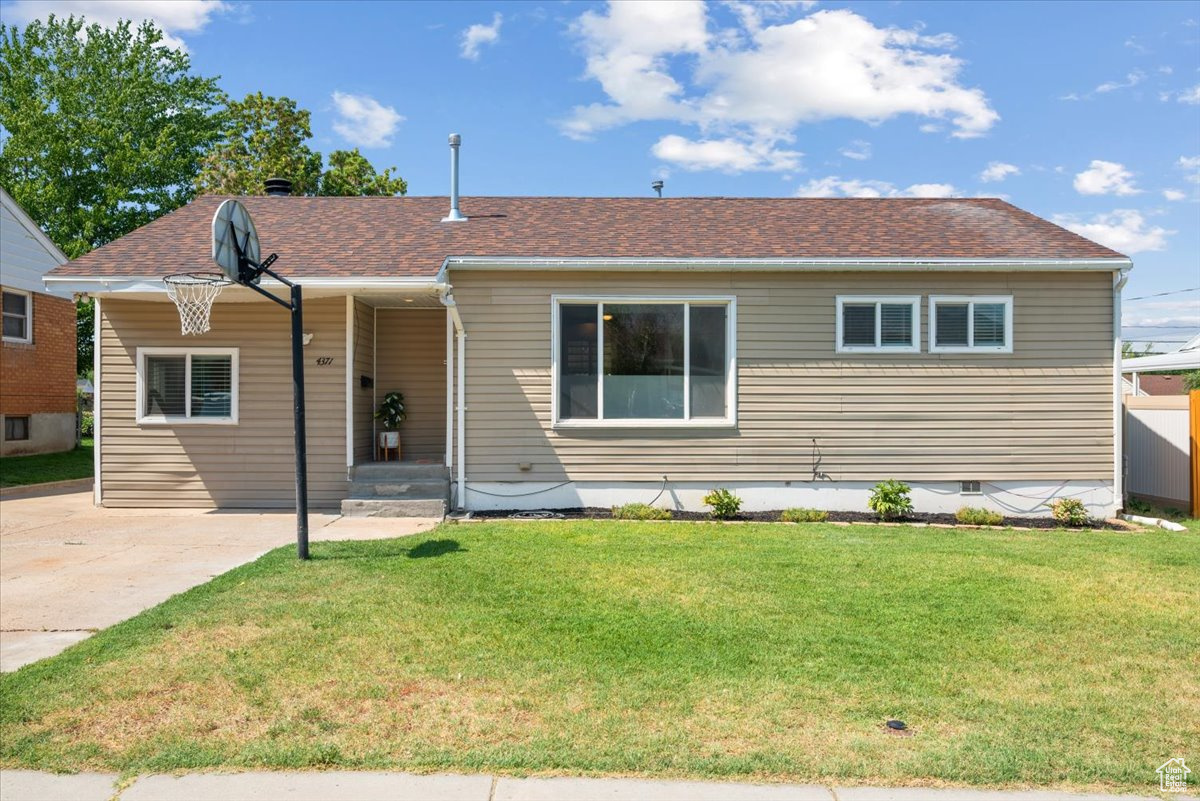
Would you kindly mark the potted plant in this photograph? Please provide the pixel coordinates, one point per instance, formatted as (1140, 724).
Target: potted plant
(391, 413)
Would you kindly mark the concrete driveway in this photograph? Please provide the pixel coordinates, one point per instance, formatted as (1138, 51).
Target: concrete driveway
(68, 569)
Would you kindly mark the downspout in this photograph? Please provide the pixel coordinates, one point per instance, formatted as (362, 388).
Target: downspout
(97, 417)
(1119, 279)
(447, 300)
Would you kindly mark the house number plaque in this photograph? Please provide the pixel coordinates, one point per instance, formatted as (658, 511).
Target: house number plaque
(324, 361)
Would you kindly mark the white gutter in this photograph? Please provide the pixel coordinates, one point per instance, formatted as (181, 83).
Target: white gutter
(1119, 279)
(153, 283)
(585, 264)
(461, 333)
(97, 498)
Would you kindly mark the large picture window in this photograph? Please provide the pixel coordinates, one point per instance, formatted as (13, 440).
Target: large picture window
(970, 324)
(878, 324)
(187, 385)
(635, 361)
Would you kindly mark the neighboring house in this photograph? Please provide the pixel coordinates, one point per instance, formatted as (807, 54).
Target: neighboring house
(559, 352)
(1151, 384)
(37, 351)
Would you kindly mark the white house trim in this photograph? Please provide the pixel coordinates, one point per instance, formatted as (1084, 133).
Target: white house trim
(186, 419)
(879, 300)
(971, 347)
(97, 417)
(751, 265)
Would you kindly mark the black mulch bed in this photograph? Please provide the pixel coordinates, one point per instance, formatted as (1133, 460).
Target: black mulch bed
(599, 513)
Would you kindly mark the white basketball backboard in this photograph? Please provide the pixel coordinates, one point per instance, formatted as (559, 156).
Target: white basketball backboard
(232, 220)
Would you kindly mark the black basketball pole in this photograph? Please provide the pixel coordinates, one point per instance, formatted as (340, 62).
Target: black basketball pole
(249, 272)
(301, 440)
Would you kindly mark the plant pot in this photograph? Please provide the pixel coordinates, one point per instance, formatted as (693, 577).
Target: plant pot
(385, 443)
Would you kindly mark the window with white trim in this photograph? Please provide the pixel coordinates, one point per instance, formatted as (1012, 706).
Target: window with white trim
(18, 315)
(187, 385)
(878, 324)
(970, 324)
(643, 361)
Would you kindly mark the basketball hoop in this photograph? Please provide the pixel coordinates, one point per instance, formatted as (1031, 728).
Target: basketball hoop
(193, 294)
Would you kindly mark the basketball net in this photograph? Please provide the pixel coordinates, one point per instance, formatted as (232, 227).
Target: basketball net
(193, 294)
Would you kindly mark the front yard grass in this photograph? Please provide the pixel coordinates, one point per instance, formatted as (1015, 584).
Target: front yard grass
(765, 652)
(19, 471)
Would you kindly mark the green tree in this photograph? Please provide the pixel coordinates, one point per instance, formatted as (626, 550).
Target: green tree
(103, 129)
(1130, 351)
(262, 137)
(350, 173)
(1191, 380)
(265, 137)
(85, 320)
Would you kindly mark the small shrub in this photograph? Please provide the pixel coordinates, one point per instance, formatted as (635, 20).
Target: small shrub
(640, 511)
(87, 424)
(976, 516)
(889, 499)
(804, 515)
(1069, 511)
(725, 504)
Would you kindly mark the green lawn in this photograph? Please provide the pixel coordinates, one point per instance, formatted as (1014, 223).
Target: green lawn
(772, 652)
(18, 471)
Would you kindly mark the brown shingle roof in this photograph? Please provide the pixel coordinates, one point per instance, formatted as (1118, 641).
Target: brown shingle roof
(317, 236)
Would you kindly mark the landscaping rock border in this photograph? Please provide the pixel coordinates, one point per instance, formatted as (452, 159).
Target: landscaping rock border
(938, 520)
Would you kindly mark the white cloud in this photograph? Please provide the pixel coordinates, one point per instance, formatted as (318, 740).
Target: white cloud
(727, 155)
(757, 83)
(1191, 168)
(833, 186)
(1162, 313)
(1105, 178)
(1190, 96)
(364, 121)
(174, 17)
(857, 150)
(478, 35)
(1132, 79)
(998, 171)
(1174, 194)
(1123, 230)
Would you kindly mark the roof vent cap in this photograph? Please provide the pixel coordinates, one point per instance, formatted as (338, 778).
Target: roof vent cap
(278, 187)
(657, 186)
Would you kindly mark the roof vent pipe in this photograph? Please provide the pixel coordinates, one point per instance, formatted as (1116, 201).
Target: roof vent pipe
(657, 187)
(455, 215)
(278, 187)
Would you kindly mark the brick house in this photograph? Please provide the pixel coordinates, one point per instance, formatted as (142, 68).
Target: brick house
(37, 351)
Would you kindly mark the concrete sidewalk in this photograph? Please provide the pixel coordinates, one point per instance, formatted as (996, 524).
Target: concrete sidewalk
(346, 786)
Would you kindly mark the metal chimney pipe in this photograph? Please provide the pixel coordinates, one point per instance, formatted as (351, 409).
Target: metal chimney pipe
(278, 187)
(657, 186)
(455, 215)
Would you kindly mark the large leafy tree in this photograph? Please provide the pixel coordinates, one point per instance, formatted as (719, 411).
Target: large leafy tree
(263, 137)
(103, 129)
(350, 173)
(266, 137)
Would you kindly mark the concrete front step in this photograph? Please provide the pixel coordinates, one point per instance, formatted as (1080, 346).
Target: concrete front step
(418, 489)
(393, 507)
(399, 471)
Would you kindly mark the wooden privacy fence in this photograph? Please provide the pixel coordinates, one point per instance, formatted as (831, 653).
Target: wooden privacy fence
(1160, 449)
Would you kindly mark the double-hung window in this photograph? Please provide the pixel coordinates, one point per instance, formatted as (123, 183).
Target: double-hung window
(187, 385)
(878, 324)
(18, 316)
(644, 361)
(970, 324)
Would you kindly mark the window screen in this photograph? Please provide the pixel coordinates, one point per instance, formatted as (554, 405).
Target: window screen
(895, 324)
(989, 325)
(951, 325)
(858, 324)
(16, 428)
(164, 394)
(16, 315)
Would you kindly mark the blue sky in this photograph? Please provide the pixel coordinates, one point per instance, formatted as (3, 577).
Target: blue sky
(1087, 114)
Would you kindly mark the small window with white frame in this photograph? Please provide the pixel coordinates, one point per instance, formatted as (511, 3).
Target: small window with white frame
(878, 324)
(970, 324)
(187, 385)
(18, 316)
(644, 361)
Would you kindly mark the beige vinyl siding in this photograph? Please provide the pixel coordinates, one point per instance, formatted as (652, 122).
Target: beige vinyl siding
(364, 397)
(805, 411)
(247, 465)
(410, 358)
